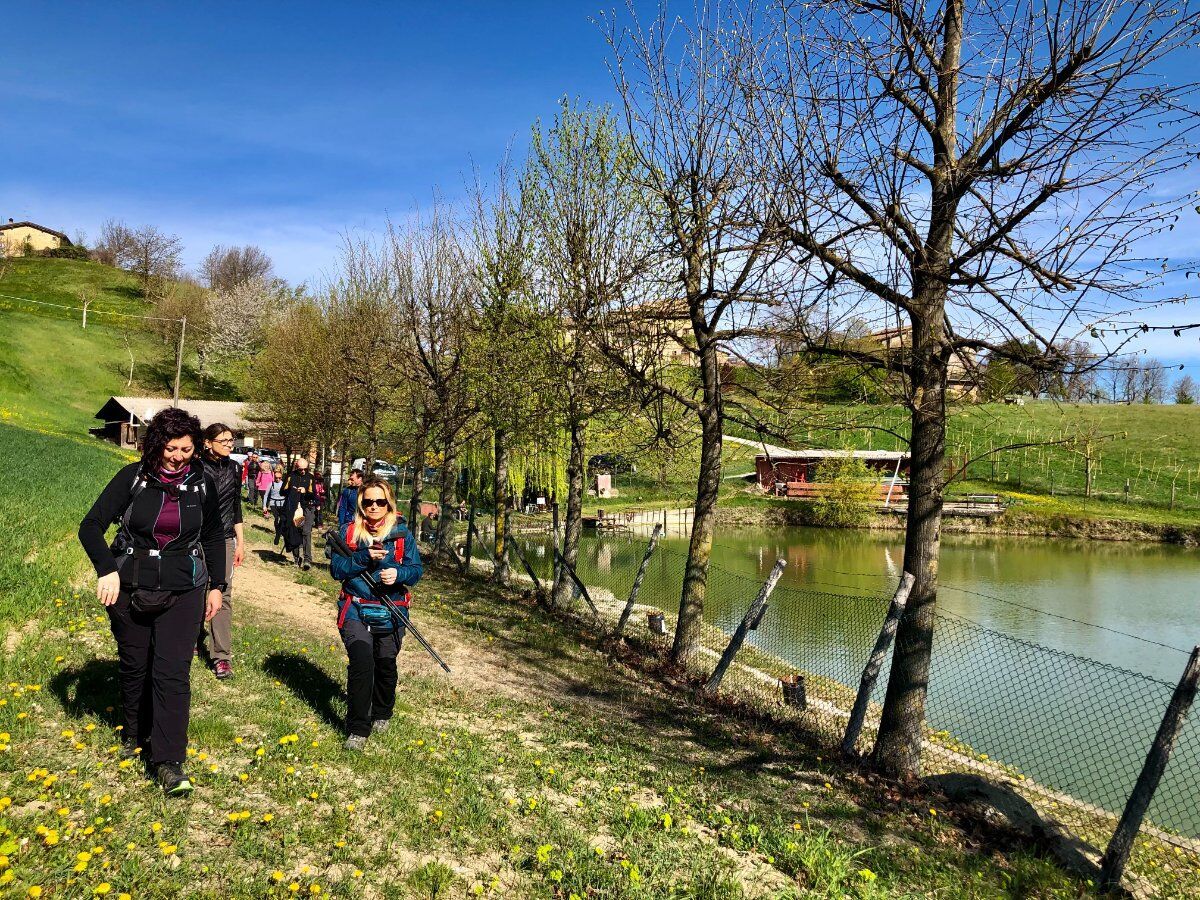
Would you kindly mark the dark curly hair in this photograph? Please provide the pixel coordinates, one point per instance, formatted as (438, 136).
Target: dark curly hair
(167, 425)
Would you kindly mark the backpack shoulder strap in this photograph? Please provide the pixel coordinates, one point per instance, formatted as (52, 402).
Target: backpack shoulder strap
(139, 485)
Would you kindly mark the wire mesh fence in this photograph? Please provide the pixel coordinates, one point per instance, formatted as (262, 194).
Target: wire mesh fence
(1069, 733)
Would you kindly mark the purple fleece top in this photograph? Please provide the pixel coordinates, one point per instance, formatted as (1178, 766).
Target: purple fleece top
(166, 526)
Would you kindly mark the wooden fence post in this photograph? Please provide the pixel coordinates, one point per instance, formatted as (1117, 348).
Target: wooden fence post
(466, 564)
(637, 581)
(579, 584)
(1112, 866)
(516, 548)
(887, 634)
(750, 621)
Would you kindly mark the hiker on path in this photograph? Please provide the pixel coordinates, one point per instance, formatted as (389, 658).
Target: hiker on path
(275, 501)
(160, 580)
(299, 512)
(385, 563)
(348, 500)
(253, 467)
(319, 493)
(264, 479)
(216, 638)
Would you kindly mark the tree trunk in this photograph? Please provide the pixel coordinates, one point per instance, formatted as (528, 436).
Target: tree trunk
(500, 503)
(708, 486)
(573, 528)
(418, 485)
(443, 550)
(898, 746)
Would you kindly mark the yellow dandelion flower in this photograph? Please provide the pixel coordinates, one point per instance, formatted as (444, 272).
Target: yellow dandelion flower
(170, 850)
(237, 740)
(294, 887)
(34, 891)
(268, 817)
(277, 876)
(102, 888)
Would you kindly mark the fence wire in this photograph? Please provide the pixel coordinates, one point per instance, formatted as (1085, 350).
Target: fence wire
(1070, 733)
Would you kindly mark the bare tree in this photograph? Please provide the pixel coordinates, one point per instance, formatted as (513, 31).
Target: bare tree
(114, 244)
(1185, 390)
(224, 268)
(711, 226)
(970, 175)
(506, 349)
(433, 288)
(589, 228)
(1152, 381)
(152, 256)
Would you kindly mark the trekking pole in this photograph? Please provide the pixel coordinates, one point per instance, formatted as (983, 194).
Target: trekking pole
(406, 623)
(341, 548)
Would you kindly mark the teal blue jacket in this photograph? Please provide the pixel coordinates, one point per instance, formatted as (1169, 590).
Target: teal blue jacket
(402, 555)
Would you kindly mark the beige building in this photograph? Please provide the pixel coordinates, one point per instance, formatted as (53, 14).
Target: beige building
(962, 370)
(19, 238)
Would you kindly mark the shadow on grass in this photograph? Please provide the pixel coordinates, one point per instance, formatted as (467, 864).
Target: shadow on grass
(89, 691)
(309, 682)
(273, 556)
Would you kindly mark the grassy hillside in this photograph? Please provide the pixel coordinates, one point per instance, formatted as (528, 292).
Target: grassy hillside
(54, 374)
(1152, 448)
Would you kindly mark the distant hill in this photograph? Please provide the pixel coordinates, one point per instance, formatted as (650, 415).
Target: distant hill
(54, 374)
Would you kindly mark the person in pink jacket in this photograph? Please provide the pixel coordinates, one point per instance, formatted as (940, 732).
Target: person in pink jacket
(263, 481)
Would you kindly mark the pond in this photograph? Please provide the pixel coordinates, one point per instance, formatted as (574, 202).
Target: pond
(1055, 657)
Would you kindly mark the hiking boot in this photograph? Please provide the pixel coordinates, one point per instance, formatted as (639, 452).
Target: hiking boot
(305, 566)
(380, 725)
(174, 782)
(222, 669)
(356, 742)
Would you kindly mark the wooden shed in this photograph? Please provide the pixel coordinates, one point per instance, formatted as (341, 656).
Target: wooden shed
(793, 474)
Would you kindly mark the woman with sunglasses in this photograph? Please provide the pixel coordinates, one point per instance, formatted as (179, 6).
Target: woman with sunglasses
(385, 563)
(216, 638)
(160, 580)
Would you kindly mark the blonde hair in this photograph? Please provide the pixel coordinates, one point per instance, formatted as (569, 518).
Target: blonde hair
(363, 536)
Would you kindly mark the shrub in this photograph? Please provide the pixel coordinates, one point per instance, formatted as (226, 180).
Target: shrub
(72, 252)
(849, 491)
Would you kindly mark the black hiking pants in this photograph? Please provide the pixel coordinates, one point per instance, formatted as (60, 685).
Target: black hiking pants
(370, 675)
(155, 660)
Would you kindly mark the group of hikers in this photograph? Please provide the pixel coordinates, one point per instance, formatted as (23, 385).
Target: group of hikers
(166, 579)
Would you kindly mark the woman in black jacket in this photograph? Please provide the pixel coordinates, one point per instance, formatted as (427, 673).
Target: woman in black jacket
(227, 475)
(161, 579)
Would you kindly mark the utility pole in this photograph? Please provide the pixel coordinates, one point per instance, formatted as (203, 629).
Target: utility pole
(179, 360)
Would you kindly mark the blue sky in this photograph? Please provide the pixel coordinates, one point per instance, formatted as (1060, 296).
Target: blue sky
(275, 124)
(285, 125)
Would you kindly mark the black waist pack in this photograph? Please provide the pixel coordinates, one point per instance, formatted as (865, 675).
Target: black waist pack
(147, 601)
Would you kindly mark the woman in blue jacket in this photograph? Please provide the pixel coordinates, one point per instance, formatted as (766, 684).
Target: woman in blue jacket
(385, 563)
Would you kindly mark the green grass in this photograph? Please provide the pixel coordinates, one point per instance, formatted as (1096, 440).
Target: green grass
(66, 282)
(559, 785)
(54, 374)
(1150, 445)
(614, 791)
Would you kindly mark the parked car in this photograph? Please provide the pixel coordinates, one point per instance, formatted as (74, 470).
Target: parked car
(385, 470)
(239, 454)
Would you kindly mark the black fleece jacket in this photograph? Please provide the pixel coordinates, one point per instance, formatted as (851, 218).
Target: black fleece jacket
(199, 522)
